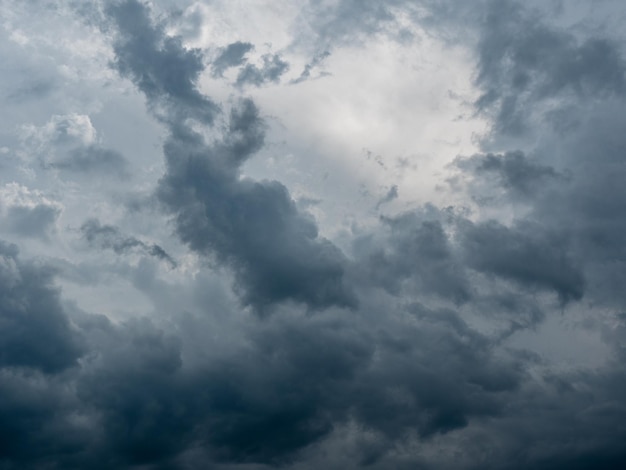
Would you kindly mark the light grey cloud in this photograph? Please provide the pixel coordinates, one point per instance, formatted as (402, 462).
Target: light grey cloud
(92, 160)
(271, 71)
(317, 60)
(27, 213)
(390, 196)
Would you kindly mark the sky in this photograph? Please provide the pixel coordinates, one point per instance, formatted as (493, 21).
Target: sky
(296, 234)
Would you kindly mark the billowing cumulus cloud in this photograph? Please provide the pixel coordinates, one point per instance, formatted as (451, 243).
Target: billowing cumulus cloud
(166, 303)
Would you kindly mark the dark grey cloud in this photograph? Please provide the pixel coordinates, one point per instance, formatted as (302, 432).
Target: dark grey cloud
(297, 381)
(409, 376)
(34, 330)
(568, 88)
(108, 236)
(513, 171)
(524, 63)
(525, 254)
(416, 251)
(37, 428)
(254, 227)
(159, 64)
(232, 55)
(134, 384)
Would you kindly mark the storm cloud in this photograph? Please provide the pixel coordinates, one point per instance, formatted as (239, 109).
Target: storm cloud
(253, 226)
(165, 303)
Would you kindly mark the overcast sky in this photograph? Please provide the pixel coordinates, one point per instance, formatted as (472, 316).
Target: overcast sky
(308, 234)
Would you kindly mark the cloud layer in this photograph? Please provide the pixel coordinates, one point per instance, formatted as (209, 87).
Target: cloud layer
(176, 291)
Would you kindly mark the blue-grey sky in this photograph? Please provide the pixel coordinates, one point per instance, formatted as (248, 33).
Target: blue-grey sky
(312, 234)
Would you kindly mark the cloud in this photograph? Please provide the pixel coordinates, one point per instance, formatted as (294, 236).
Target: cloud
(271, 71)
(70, 129)
(488, 334)
(70, 144)
(232, 55)
(34, 330)
(93, 160)
(107, 236)
(513, 171)
(135, 387)
(28, 213)
(317, 60)
(159, 65)
(415, 251)
(390, 196)
(254, 227)
(524, 65)
(525, 254)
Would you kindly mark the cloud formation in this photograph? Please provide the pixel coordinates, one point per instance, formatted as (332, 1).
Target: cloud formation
(478, 326)
(252, 226)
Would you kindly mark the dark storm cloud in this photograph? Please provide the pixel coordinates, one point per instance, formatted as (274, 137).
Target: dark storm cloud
(297, 381)
(93, 160)
(514, 172)
(523, 63)
(232, 55)
(34, 330)
(255, 227)
(134, 383)
(572, 87)
(159, 65)
(524, 253)
(417, 252)
(108, 236)
(38, 426)
(404, 374)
